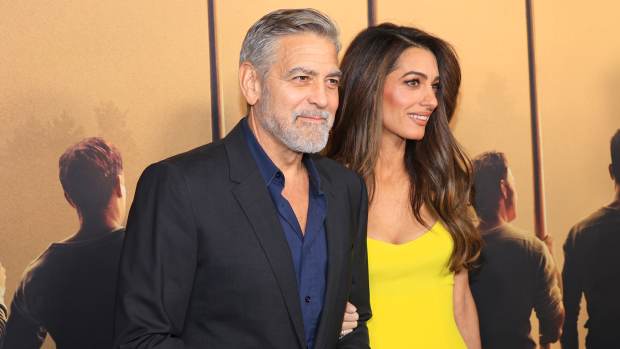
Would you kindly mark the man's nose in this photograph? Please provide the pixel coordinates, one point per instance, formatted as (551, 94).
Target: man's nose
(319, 95)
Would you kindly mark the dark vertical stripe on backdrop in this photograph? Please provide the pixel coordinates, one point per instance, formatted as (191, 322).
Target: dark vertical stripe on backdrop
(539, 195)
(215, 82)
(372, 12)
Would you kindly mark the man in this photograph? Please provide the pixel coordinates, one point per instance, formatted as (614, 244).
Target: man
(591, 268)
(251, 242)
(3, 312)
(69, 290)
(517, 273)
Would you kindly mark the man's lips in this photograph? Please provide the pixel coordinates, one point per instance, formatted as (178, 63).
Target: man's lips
(312, 117)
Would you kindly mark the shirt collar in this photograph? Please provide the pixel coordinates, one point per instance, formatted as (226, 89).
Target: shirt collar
(268, 170)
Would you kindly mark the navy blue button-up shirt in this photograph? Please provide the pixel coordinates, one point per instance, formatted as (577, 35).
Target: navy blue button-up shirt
(309, 250)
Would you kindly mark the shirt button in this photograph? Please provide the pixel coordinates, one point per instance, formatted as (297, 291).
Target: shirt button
(307, 299)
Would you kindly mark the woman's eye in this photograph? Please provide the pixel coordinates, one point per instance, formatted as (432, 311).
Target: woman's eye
(413, 82)
(436, 87)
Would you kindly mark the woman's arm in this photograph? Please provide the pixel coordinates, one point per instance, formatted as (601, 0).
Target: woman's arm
(465, 312)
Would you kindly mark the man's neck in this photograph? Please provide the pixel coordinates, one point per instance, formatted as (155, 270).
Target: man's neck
(285, 159)
(92, 225)
(490, 224)
(616, 202)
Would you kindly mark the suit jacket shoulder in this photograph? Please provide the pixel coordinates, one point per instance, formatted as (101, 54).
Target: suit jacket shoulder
(340, 177)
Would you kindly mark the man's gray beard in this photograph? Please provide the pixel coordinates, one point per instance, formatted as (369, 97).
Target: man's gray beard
(304, 138)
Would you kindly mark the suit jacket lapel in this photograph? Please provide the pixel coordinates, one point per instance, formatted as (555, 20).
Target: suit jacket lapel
(336, 254)
(253, 197)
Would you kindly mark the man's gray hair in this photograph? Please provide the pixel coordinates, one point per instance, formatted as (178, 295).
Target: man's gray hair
(259, 44)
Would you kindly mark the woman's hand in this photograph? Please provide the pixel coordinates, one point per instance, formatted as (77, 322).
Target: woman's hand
(349, 322)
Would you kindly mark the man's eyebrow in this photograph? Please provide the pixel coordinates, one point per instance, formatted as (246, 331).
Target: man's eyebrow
(302, 70)
(307, 71)
(335, 74)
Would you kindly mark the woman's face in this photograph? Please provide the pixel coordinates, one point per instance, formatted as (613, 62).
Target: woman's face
(409, 94)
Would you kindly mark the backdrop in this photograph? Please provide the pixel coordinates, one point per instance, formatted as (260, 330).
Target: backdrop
(138, 74)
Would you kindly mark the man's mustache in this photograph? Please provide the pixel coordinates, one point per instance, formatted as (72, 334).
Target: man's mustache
(325, 115)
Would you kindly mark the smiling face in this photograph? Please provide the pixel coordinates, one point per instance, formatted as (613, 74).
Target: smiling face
(409, 94)
(299, 94)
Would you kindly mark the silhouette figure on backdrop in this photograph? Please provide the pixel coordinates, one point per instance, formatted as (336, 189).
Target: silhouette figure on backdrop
(592, 268)
(68, 291)
(517, 273)
(253, 241)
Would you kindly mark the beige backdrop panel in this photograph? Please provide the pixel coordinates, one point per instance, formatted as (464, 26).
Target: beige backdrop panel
(136, 73)
(578, 57)
(235, 17)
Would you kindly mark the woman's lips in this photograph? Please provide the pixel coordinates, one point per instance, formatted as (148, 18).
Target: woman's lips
(419, 119)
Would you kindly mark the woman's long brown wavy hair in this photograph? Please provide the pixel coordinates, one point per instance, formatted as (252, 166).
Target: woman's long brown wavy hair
(439, 170)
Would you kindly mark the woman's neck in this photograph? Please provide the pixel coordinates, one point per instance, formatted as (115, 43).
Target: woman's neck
(391, 161)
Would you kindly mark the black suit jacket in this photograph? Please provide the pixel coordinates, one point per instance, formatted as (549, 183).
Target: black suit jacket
(205, 263)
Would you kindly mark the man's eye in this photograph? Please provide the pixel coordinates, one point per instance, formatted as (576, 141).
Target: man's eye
(333, 82)
(302, 78)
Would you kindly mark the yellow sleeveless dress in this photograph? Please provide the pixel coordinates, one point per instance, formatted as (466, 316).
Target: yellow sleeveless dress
(411, 293)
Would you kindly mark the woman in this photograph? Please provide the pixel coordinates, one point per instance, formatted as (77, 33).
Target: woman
(398, 93)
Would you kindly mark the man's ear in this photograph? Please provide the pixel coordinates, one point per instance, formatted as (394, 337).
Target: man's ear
(118, 186)
(69, 200)
(249, 83)
(504, 189)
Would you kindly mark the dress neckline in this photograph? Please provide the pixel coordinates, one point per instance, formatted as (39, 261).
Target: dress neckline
(408, 242)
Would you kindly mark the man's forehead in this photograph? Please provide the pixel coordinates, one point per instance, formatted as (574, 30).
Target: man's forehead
(308, 52)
